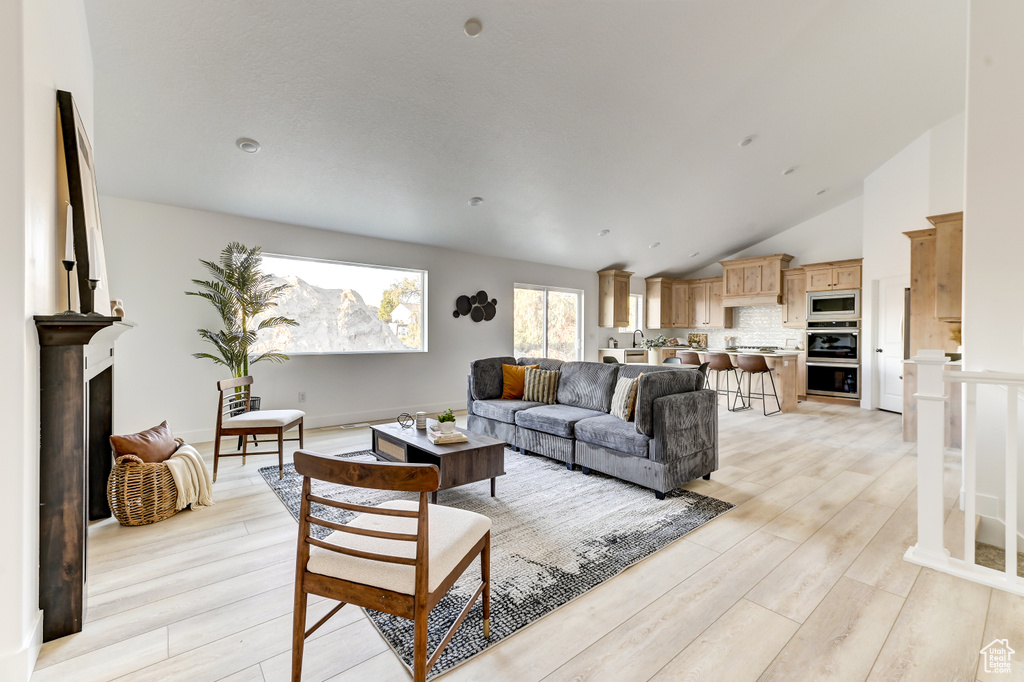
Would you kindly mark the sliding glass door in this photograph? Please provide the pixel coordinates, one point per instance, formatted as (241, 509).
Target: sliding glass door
(548, 322)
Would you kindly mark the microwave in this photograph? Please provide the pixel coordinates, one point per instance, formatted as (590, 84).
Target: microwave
(833, 305)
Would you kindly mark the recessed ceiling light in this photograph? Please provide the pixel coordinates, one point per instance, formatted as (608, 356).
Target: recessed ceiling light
(694, 254)
(654, 245)
(604, 233)
(473, 27)
(476, 201)
(821, 191)
(747, 140)
(248, 145)
(789, 171)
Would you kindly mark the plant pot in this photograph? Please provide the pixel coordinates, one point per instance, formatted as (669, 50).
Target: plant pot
(447, 427)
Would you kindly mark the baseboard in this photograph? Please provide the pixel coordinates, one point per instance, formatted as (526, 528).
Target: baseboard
(320, 421)
(992, 531)
(17, 666)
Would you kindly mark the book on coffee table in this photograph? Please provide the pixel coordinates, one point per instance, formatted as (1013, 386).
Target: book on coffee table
(438, 438)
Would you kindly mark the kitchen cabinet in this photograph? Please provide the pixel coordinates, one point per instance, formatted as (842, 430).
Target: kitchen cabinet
(680, 306)
(613, 298)
(835, 275)
(754, 281)
(706, 309)
(659, 303)
(935, 283)
(949, 256)
(794, 298)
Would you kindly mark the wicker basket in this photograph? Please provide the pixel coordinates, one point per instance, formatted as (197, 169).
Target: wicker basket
(140, 493)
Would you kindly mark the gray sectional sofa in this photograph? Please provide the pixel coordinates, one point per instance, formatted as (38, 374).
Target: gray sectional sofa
(674, 438)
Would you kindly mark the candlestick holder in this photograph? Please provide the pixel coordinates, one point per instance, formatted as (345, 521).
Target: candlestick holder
(93, 283)
(69, 265)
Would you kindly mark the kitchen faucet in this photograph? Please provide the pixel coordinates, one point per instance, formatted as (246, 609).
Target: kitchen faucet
(634, 337)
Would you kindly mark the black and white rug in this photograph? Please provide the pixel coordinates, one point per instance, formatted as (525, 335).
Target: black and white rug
(556, 534)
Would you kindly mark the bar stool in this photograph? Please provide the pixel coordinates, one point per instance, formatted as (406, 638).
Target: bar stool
(718, 363)
(754, 364)
(688, 357)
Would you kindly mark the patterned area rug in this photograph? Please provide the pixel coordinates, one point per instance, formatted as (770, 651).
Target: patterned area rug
(556, 534)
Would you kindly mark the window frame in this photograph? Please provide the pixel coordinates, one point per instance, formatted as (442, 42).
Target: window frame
(544, 315)
(374, 266)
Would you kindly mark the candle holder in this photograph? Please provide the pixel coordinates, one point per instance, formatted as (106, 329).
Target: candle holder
(93, 283)
(69, 265)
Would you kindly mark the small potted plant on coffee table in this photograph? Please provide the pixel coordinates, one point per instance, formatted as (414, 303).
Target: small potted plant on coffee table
(446, 421)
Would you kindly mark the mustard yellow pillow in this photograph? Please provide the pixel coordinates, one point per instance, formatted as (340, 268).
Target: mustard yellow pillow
(514, 381)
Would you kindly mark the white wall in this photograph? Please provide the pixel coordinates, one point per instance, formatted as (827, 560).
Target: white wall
(153, 252)
(925, 178)
(993, 318)
(832, 235)
(44, 45)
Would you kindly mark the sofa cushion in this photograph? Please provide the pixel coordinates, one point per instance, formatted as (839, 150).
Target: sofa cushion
(588, 385)
(634, 371)
(542, 385)
(544, 363)
(558, 420)
(624, 399)
(513, 379)
(485, 377)
(652, 386)
(502, 410)
(611, 432)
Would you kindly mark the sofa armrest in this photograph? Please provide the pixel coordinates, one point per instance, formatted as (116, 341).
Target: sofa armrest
(686, 424)
(656, 385)
(469, 394)
(485, 377)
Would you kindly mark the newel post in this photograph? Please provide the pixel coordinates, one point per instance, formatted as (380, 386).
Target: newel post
(931, 420)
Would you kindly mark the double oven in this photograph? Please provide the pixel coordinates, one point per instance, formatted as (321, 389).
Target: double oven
(833, 352)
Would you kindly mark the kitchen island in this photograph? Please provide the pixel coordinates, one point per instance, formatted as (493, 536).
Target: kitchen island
(783, 364)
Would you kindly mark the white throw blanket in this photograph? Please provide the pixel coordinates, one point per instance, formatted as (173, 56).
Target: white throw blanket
(190, 478)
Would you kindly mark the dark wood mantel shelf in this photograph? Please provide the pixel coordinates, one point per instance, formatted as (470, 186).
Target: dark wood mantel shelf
(76, 388)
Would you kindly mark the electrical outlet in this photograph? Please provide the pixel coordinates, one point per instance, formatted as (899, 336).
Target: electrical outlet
(302, 396)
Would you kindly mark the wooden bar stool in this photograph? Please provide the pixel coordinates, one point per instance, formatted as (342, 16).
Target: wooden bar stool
(754, 364)
(688, 357)
(718, 363)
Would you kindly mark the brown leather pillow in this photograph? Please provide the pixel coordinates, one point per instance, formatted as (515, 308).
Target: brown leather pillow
(153, 445)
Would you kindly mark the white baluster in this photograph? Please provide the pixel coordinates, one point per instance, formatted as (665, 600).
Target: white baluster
(931, 419)
(970, 465)
(1011, 482)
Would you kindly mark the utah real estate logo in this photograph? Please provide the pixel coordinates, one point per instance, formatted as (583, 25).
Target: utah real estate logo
(997, 656)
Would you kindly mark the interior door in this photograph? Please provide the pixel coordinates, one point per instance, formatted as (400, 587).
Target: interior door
(888, 365)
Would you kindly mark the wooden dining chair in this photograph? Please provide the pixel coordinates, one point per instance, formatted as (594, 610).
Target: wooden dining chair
(399, 557)
(234, 418)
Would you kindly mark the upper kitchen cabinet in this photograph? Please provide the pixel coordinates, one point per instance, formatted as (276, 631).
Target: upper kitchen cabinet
(794, 298)
(754, 281)
(680, 306)
(706, 309)
(659, 313)
(840, 274)
(935, 283)
(613, 298)
(949, 256)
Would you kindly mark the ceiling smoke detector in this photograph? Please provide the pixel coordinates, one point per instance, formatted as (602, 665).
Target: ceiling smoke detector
(604, 233)
(789, 171)
(747, 140)
(248, 145)
(473, 27)
(654, 245)
(821, 191)
(476, 201)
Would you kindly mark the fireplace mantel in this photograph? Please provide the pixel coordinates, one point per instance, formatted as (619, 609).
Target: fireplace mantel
(76, 388)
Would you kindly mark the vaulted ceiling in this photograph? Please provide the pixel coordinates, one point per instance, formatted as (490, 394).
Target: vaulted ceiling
(567, 117)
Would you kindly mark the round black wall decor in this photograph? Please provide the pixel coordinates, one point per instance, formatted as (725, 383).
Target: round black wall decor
(477, 307)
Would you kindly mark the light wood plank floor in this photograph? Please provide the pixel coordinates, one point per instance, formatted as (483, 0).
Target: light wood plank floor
(804, 580)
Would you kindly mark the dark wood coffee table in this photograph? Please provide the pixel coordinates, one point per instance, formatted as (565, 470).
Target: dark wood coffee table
(478, 459)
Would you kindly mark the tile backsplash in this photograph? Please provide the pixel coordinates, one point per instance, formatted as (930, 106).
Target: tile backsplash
(759, 325)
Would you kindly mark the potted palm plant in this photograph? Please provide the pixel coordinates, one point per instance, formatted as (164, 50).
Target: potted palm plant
(242, 294)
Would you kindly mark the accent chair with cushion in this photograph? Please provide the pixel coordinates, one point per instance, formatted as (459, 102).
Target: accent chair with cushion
(672, 437)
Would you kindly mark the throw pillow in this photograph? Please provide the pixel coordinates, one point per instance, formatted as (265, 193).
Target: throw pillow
(513, 378)
(624, 398)
(152, 446)
(541, 385)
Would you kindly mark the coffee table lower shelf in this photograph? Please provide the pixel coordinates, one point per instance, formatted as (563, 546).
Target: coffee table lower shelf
(478, 459)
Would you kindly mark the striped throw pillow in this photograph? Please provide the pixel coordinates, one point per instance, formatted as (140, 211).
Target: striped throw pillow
(624, 398)
(541, 385)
